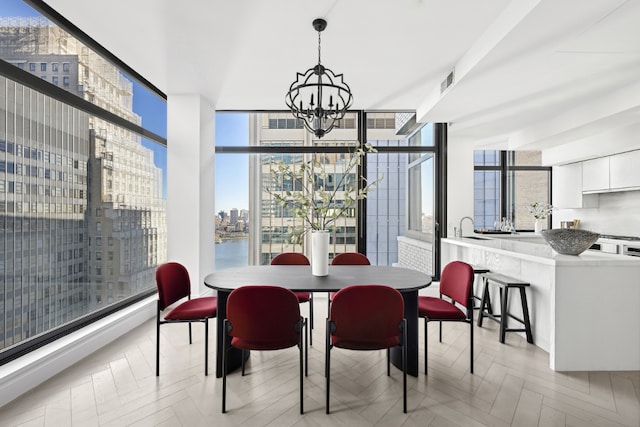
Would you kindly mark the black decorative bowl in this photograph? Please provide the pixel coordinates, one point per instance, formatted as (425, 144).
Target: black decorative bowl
(568, 241)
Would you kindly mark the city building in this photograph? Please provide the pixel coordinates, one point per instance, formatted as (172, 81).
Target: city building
(43, 208)
(233, 216)
(278, 224)
(86, 203)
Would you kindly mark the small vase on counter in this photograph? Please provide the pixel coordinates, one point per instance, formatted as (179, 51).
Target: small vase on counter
(538, 226)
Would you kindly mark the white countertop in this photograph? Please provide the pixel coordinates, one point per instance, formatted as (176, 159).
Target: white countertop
(533, 247)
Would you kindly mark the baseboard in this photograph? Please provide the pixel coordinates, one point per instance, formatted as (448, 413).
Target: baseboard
(21, 375)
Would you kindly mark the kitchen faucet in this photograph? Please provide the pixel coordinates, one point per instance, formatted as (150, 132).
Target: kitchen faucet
(460, 225)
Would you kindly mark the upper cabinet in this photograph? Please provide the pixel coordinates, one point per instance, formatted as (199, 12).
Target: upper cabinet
(595, 175)
(624, 171)
(620, 172)
(567, 186)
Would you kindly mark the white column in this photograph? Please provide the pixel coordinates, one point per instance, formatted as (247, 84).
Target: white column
(190, 186)
(459, 183)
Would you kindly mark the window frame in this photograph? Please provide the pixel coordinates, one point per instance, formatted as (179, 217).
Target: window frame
(440, 195)
(505, 167)
(23, 77)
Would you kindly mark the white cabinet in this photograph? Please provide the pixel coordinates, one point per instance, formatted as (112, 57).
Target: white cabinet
(595, 175)
(567, 186)
(624, 171)
(620, 172)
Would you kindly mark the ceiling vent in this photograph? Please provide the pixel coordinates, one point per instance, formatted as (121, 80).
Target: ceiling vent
(447, 82)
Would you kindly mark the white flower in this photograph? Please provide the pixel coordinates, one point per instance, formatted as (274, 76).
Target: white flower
(309, 199)
(540, 210)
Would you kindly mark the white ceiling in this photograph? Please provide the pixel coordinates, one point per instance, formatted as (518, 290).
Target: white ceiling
(527, 73)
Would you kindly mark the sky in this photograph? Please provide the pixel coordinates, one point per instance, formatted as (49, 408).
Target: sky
(16, 8)
(232, 170)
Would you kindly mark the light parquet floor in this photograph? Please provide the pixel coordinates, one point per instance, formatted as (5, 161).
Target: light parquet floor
(512, 386)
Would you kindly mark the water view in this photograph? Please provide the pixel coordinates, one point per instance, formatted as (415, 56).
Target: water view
(232, 253)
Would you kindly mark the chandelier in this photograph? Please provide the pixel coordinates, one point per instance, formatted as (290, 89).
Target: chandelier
(319, 97)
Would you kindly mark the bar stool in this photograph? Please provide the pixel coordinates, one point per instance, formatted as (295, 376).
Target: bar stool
(479, 270)
(505, 283)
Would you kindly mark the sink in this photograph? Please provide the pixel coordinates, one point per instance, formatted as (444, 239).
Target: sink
(474, 237)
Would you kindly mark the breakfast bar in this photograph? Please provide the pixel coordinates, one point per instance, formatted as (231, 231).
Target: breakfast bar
(583, 309)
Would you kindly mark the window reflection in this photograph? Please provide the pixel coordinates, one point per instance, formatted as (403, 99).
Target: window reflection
(421, 186)
(70, 182)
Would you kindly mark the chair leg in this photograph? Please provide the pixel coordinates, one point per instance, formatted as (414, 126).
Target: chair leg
(190, 336)
(504, 302)
(470, 315)
(471, 345)
(243, 359)
(388, 362)
(328, 304)
(327, 362)
(525, 315)
(425, 346)
(224, 368)
(306, 349)
(485, 302)
(489, 304)
(301, 380)
(206, 347)
(311, 320)
(311, 309)
(158, 345)
(440, 336)
(404, 364)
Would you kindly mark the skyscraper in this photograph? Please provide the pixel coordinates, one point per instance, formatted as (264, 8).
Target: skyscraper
(233, 215)
(86, 190)
(276, 223)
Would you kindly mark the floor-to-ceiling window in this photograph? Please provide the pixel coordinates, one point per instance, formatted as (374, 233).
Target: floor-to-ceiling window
(372, 227)
(82, 188)
(422, 177)
(505, 183)
(487, 189)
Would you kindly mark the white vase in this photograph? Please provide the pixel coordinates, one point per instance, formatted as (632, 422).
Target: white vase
(538, 226)
(320, 253)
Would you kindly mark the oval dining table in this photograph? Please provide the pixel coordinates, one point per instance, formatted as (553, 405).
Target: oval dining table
(299, 278)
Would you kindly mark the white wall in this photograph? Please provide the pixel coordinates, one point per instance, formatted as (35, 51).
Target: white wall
(459, 183)
(615, 213)
(191, 186)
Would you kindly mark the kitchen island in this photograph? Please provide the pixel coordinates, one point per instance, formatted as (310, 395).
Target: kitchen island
(584, 309)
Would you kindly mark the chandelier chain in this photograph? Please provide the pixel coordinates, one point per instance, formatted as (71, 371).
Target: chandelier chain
(319, 47)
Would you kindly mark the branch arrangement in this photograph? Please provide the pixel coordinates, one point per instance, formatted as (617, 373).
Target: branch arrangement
(313, 204)
(540, 210)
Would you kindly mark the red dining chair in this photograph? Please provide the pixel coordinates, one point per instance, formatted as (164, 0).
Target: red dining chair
(262, 318)
(347, 258)
(295, 258)
(456, 283)
(367, 317)
(172, 280)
